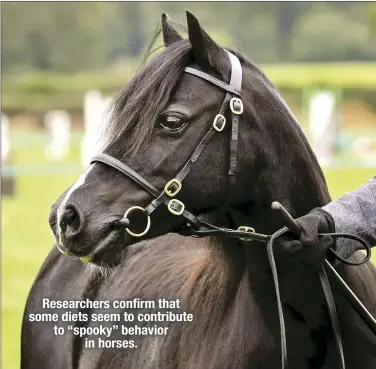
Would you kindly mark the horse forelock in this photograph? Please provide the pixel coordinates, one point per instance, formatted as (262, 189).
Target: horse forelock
(140, 102)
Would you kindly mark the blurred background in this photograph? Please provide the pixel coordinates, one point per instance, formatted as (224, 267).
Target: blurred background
(62, 64)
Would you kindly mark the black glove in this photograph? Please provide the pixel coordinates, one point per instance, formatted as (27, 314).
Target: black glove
(311, 249)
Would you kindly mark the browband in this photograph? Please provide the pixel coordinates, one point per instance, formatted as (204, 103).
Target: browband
(224, 86)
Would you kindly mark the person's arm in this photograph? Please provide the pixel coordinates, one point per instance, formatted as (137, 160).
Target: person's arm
(355, 212)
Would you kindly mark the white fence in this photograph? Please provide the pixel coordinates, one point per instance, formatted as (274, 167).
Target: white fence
(58, 124)
(323, 124)
(96, 112)
(5, 144)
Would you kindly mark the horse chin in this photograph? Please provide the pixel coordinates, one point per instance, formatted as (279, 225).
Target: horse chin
(108, 252)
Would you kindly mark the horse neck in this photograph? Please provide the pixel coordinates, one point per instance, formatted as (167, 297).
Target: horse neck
(276, 160)
(276, 163)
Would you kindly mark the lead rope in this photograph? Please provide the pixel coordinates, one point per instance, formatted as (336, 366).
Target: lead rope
(273, 267)
(195, 228)
(212, 230)
(328, 298)
(333, 314)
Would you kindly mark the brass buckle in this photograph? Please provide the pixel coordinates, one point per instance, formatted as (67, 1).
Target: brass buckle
(246, 229)
(219, 122)
(170, 193)
(173, 211)
(147, 226)
(236, 106)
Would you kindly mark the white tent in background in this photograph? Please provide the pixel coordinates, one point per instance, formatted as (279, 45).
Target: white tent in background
(322, 125)
(5, 144)
(96, 112)
(58, 124)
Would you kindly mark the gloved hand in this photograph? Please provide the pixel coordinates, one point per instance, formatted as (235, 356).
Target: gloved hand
(310, 249)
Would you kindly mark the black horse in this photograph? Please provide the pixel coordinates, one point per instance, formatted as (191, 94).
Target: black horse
(158, 120)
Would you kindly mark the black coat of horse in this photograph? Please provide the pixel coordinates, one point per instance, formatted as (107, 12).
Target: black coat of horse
(157, 121)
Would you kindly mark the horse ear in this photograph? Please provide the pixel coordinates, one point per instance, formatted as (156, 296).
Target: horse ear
(170, 35)
(206, 52)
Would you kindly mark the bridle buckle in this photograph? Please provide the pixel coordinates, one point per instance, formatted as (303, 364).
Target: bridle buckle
(219, 122)
(169, 187)
(172, 207)
(236, 105)
(246, 229)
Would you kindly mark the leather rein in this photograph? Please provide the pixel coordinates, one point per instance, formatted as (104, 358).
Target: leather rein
(198, 228)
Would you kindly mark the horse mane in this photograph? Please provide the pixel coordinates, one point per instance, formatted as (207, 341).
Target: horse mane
(141, 101)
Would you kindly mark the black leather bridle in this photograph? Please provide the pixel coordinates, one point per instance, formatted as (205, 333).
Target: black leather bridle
(199, 228)
(173, 187)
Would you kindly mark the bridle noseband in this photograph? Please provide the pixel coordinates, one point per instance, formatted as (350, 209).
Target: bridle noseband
(199, 228)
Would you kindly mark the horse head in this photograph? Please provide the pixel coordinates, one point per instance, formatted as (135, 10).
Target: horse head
(255, 154)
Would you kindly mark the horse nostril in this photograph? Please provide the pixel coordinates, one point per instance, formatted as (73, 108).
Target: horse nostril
(71, 221)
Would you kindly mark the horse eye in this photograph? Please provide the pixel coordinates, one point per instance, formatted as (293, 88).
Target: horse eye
(172, 123)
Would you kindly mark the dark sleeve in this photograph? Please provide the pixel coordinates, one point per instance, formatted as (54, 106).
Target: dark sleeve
(355, 212)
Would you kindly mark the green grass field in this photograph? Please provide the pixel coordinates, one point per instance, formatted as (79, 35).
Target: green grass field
(26, 238)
